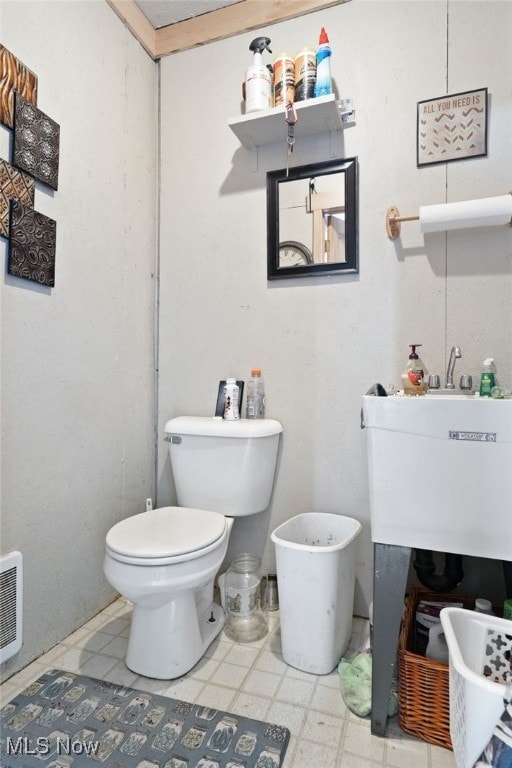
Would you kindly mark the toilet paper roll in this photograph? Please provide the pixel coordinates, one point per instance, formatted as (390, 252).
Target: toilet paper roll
(487, 212)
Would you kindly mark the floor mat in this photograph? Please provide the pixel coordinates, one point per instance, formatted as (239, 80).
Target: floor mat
(64, 719)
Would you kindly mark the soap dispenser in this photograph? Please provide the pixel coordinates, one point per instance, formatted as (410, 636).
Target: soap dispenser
(413, 380)
(487, 378)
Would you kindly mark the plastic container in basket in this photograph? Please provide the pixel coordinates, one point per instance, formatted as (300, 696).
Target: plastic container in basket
(480, 649)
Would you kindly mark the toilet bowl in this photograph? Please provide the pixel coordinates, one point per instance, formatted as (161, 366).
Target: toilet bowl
(164, 561)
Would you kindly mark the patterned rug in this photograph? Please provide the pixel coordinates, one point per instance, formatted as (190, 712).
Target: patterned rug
(64, 719)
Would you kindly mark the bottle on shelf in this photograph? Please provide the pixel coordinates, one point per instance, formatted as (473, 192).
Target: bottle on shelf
(305, 74)
(255, 400)
(258, 81)
(284, 79)
(323, 66)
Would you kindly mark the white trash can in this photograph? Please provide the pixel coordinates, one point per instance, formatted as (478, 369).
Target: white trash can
(316, 557)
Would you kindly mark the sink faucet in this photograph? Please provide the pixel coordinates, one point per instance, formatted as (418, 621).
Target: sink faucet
(454, 354)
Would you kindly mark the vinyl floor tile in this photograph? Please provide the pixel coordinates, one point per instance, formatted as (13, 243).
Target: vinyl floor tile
(251, 680)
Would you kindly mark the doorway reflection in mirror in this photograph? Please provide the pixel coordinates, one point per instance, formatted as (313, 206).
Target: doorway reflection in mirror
(312, 219)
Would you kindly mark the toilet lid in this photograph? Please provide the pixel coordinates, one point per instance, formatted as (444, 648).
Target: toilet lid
(166, 532)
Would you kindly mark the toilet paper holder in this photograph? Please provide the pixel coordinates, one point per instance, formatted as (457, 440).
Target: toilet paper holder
(475, 213)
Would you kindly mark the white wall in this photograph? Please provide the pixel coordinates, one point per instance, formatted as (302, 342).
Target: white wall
(77, 360)
(322, 342)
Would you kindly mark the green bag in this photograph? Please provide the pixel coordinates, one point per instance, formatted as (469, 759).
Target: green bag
(356, 685)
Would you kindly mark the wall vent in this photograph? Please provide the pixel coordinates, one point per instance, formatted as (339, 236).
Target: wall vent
(11, 600)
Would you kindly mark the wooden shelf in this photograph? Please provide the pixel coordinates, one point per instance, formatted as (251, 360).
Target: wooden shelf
(314, 116)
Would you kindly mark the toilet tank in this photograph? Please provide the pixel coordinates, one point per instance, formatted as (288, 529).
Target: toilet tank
(224, 466)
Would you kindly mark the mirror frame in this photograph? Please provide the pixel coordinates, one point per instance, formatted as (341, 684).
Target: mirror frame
(350, 168)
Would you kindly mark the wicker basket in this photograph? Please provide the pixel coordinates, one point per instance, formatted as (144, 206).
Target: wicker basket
(424, 704)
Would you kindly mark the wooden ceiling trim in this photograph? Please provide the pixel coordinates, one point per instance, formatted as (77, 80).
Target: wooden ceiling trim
(131, 15)
(216, 25)
(232, 20)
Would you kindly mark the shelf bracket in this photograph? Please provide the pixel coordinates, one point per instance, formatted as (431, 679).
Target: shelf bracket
(347, 111)
(335, 143)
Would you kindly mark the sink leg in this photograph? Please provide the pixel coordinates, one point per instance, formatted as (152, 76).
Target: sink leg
(390, 571)
(507, 573)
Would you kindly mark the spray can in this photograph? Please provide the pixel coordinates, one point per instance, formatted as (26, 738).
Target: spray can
(258, 80)
(284, 79)
(323, 66)
(231, 398)
(305, 74)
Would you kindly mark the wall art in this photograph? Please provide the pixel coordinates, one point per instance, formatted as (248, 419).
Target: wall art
(32, 244)
(36, 142)
(452, 127)
(14, 185)
(14, 76)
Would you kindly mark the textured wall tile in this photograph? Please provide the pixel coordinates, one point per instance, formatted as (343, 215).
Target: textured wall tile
(36, 142)
(32, 245)
(14, 76)
(14, 185)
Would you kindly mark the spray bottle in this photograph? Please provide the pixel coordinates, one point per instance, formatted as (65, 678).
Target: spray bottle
(258, 80)
(323, 66)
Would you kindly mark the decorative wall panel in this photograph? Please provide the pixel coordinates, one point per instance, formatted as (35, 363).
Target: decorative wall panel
(32, 244)
(14, 185)
(36, 142)
(14, 76)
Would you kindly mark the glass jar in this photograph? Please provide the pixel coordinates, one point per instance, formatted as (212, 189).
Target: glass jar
(208, 762)
(269, 758)
(194, 737)
(168, 736)
(246, 615)
(246, 743)
(177, 762)
(221, 738)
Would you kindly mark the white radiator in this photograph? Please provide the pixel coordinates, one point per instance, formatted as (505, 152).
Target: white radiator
(11, 604)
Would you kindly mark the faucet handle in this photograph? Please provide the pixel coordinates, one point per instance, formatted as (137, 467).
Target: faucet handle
(466, 381)
(434, 381)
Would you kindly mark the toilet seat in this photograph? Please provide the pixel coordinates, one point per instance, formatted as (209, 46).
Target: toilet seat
(164, 535)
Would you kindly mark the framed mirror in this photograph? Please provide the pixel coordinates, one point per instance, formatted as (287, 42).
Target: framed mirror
(312, 220)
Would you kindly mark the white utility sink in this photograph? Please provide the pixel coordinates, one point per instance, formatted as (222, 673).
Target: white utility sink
(440, 473)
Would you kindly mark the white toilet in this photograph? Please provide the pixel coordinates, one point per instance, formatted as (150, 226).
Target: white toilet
(165, 560)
